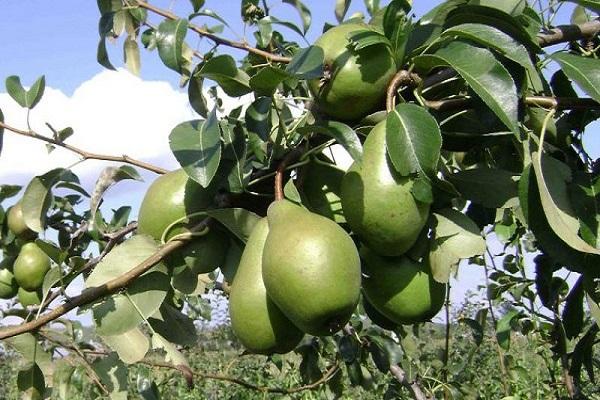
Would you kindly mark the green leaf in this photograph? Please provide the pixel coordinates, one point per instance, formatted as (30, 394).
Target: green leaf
(196, 96)
(239, 221)
(487, 77)
(52, 277)
(594, 307)
(109, 177)
(267, 79)
(492, 188)
(413, 140)
(307, 63)
(209, 13)
(456, 237)
(131, 53)
(25, 98)
(304, 12)
(197, 147)
(61, 379)
(113, 374)
(1, 132)
(494, 39)
(341, 8)
(573, 315)
(291, 192)
(27, 346)
(476, 329)
(170, 43)
(511, 7)
(503, 328)
(38, 197)
(233, 162)
(552, 178)
(8, 191)
(584, 193)
(197, 4)
(398, 28)
(102, 55)
(174, 325)
(223, 70)
(583, 70)
(422, 190)
(342, 133)
(591, 4)
(171, 354)
(258, 117)
(31, 383)
(120, 312)
(131, 346)
(363, 38)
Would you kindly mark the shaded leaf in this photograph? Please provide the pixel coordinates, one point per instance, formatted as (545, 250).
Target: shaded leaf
(131, 346)
(267, 79)
(109, 177)
(102, 55)
(258, 117)
(341, 8)
(573, 314)
(8, 191)
(342, 133)
(31, 383)
(238, 221)
(304, 12)
(113, 374)
(174, 325)
(197, 4)
(583, 70)
(171, 354)
(28, 347)
(476, 329)
(307, 63)
(131, 53)
(493, 188)
(503, 328)
(487, 77)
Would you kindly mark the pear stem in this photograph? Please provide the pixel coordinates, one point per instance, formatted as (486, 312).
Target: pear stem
(291, 156)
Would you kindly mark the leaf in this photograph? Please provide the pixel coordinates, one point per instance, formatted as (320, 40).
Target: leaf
(223, 70)
(172, 355)
(113, 374)
(487, 77)
(28, 347)
(341, 8)
(102, 55)
(1, 132)
(342, 133)
(503, 328)
(31, 383)
(304, 12)
(174, 325)
(584, 193)
(197, 4)
(239, 221)
(26, 98)
(196, 96)
(61, 379)
(583, 70)
(307, 63)
(131, 346)
(120, 312)
(495, 39)
(291, 192)
(197, 147)
(131, 53)
(37, 198)
(594, 307)
(476, 329)
(209, 13)
(52, 277)
(363, 38)
(170, 43)
(233, 163)
(267, 79)
(109, 177)
(8, 191)
(492, 188)
(573, 315)
(413, 140)
(591, 4)
(552, 183)
(258, 117)
(456, 237)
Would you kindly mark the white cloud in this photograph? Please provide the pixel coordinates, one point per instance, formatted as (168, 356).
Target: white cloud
(113, 113)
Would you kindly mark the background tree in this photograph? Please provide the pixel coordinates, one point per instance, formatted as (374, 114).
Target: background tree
(465, 127)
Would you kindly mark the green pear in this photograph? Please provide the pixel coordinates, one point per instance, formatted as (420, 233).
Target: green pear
(401, 289)
(29, 298)
(378, 203)
(8, 284)
(376, 317)
(311, 269)
(255, 319)
(16, 222)
(31, 266)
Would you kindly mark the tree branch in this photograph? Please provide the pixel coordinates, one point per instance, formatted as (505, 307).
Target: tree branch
(217, 39)
(559, 103)
(569, 33)
(402, 78)
(86, 155)
(414, 387)
(92, 294)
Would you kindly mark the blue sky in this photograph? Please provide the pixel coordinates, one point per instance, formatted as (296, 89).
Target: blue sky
(59, 38)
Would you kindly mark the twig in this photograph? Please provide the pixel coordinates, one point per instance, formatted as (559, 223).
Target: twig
(264, 389)
(217, 39)
(91, 294)
(569, 33)
(562, 103)
(114, 239)
(414, 386)
(86, 155)
(291, 156)
(402, 78)
(447, 335)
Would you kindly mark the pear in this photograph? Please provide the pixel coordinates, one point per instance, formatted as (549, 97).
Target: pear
(311, 269)
(31, 266)
(321, 189)
(8, 284)
(378, 203)
(255, 319)
(16, 222)
(401, 289)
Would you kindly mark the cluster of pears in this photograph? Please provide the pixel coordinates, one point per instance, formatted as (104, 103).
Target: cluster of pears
(23, 275)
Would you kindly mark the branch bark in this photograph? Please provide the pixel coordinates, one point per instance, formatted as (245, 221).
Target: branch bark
(92, 294)
(414, 386)
(217, 39)
(569, 33)
(86, 155)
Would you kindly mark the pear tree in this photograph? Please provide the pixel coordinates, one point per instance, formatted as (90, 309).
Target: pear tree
(466, 130)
